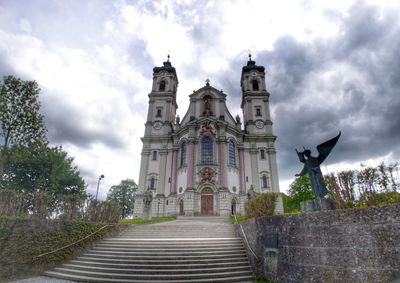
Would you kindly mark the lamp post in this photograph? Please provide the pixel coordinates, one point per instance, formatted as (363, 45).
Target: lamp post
(98, 184)
(158, 207)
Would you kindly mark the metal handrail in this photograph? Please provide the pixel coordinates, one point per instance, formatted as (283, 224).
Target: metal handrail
(245, 238)
(72, 244)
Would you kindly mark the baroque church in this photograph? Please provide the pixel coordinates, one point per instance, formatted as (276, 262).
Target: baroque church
(208, 162)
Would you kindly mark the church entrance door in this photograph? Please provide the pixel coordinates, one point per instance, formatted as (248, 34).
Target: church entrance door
(181, 211)
(207, 201)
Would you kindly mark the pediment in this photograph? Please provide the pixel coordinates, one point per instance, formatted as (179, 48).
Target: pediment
(208, 90)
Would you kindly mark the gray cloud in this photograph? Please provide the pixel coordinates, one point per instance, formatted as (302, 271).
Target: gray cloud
(362, 101)
(67, 125)
(367, 112)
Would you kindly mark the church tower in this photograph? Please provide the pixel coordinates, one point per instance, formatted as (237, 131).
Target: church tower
(259, 138)
(159, 125)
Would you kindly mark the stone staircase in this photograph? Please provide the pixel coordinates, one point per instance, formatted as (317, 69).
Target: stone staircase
(190, 249)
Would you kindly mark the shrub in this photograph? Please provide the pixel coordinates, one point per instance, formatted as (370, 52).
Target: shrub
(262, 205)
(383, 198)
(102, 212)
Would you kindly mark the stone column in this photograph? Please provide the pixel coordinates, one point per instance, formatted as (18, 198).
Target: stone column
(242, 172)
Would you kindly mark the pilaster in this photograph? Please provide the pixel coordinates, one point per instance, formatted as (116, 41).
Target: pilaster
(174, 171)
(144, 164)
(242, 171)
(222, 164)
(254, 169)
(162, 171)
(190, 164)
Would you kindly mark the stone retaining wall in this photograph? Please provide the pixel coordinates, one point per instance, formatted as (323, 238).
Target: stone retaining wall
(351, 245)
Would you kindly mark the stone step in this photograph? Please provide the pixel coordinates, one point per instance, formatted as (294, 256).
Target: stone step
(161, 270)
(86, 278)
(172, 242)
(166, 235)
(167, 249)
(178, 234)
(161, 256)
(146, 265)
(164, 261)
(155, 252)
(177, 240)
(165, 277)
(171, 246)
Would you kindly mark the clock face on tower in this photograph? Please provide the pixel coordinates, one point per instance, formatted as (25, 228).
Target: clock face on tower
(157, 125)
(259, 124)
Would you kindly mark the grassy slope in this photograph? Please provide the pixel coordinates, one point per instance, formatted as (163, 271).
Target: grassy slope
(23, 239)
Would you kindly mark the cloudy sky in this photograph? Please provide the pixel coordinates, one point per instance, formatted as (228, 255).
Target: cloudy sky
(331, 65)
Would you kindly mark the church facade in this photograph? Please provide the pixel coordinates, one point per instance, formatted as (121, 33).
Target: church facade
(208, 162)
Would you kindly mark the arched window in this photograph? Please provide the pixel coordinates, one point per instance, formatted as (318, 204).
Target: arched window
(255, 84)
(183, 154)
(232, 156)
(264, 181)
(152, 183)
(154, 155)
(207, 151)
(162, 86)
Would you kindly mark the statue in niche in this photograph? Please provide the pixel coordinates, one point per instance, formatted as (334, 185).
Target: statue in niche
(251, 193)
(207, 106)
(312, 165)
(148, 198)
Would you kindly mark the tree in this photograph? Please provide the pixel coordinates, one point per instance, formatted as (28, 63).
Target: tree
(20, 120)
(38, 168)
(300, 190)
(123, 194)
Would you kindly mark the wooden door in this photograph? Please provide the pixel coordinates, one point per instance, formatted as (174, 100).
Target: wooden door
(207, 205)
(233, 207)
(181, 211)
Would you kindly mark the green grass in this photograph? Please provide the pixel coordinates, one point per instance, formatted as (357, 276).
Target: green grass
(239, 218)
(147, 221)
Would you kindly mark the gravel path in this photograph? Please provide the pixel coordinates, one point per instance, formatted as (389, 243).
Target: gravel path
(43, 279)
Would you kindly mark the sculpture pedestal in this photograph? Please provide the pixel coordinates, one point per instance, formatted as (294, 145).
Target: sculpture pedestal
(317, 204)
(147, 213)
